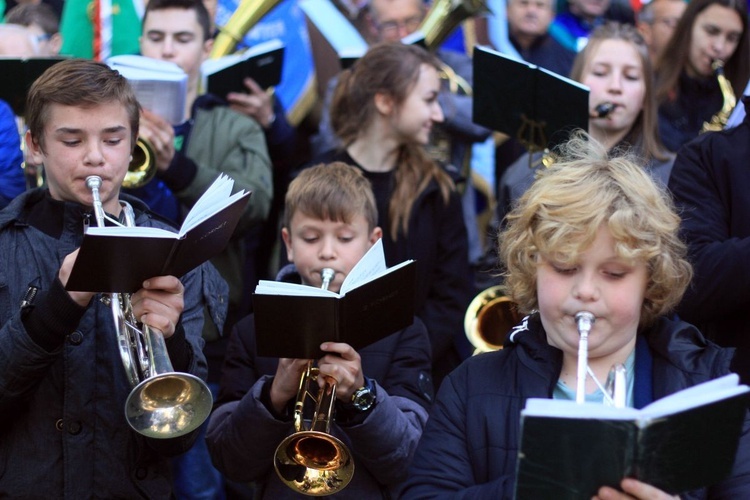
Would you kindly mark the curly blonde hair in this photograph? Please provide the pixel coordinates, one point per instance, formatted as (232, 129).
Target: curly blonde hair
(560, 214)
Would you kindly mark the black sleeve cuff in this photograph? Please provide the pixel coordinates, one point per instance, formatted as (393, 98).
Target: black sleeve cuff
(265, 398)
(178, 348)
(181, 172)
(52, 317)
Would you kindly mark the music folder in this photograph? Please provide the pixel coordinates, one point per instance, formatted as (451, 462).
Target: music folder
(538, 107)
(263, 63)
(292, 320)
(682, 442)
(20, 74)
(117, 259)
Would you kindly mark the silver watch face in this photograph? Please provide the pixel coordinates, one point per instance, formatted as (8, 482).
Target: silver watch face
(363, 399)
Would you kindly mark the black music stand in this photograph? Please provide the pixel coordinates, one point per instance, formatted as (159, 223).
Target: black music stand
(536, 106)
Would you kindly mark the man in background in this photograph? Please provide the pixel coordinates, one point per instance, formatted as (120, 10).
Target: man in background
(528, 29)
(42, 22)
(656, 23)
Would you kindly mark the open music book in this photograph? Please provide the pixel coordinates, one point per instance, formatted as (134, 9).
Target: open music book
(538, 107)
(159, 86)
(292, 320)
(120, 259)
(681, 442)
(262, 63)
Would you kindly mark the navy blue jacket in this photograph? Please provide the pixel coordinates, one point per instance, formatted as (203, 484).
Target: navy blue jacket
(470, 445)
(710, 183)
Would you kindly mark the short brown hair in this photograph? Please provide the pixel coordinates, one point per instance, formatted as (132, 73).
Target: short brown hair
(334, 191)
(561, 213)
(82, 83)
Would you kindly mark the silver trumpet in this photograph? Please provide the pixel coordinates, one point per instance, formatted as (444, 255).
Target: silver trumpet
(615, 388)
(584, 320)
(163, 403)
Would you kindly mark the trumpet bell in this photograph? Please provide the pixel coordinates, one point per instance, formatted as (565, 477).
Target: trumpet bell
(168, 405)
(142, 166)
(488, 319)
(314, 463)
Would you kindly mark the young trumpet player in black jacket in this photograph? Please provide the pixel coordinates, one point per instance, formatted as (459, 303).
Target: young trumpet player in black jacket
(591, 234)
(383, 390)
(62, 383)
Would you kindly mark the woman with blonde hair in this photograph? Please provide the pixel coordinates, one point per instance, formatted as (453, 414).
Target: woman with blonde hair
(616, 67)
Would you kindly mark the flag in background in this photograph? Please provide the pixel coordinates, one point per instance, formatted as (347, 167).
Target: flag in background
(97, 29)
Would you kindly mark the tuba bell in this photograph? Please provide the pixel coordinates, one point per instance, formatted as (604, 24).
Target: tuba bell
(247, 15)
(163, 403)
(489, 317)
(311, 461)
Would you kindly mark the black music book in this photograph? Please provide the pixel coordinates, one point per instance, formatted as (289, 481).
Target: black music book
(120, 259)
(685, 441)
(538, 107)
(262, 63)
(20, 73)
(292, 320)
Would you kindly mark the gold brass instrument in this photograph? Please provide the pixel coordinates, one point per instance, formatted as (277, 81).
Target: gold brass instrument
(247, 15)
(311, 461)
(142, 167)
(719, 120)
(488, 319)
(445, 16)
(163, 403)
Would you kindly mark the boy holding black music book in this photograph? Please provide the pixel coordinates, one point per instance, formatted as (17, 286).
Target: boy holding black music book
(383, 389)
(593, 234)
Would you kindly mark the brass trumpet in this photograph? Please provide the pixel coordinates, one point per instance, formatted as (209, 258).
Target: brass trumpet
(489, 317)
(163, 403)
(312, 461)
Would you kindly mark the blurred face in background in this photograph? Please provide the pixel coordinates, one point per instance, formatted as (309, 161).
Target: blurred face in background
(614, 73)
(392, 20)
(715, 35)
(659, 29)
(175, 35)
(529, 18)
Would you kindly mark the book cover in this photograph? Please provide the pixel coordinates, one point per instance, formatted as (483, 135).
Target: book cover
(537, 106)
(159, 86)
(336, 44)
(120, 259)
(569, 453)
(292, 320)
(20, 74)
(262, 63)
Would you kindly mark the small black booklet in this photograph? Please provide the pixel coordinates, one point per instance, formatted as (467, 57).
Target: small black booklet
(292, 320)
(120, 259)
(19, 75)
(538, 107)
(262, 63)
(685, 441)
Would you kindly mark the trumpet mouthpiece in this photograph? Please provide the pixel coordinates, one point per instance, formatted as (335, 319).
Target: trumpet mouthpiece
(93, 182)
(584, 321)
(327, 275)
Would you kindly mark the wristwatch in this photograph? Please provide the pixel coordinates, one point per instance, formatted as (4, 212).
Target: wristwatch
(364, 398)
